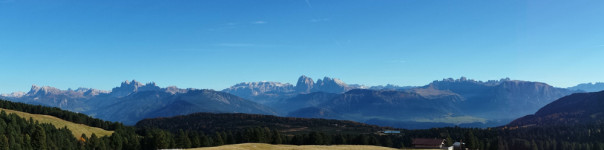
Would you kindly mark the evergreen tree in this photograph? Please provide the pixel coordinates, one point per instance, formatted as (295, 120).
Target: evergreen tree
(276, 137)
(93, 142)
(205, 141)
(471, 141)
(183, 140)
(339, 139)
(116, 141)
(39, 139)
(449, 140)
(162, 139)
(218, 140)
(316, 138)
(4, 144)
(195, 141)
(388, 142)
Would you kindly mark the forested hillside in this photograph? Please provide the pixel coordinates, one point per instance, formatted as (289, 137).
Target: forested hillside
(219, 122)
(221, 129)
(63, 114)
(76, 129)
(217, 129)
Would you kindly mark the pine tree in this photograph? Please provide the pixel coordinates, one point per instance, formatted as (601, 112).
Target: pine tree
(205, 141)
(339, 139)
(449, 140)
(39, 138)
(218, 140)
(116, 141)
(183, 140)
(4, 144)
(316, 138)
(276, 137)
(195, 141)
(93, 142)
(471, 140)
(162, 139)
(388, 142)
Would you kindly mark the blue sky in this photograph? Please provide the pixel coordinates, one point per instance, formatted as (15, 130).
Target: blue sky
(215, 44)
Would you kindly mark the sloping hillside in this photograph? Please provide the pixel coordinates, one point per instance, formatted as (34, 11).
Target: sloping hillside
(76, 129)
(211, 122)
(580, 108)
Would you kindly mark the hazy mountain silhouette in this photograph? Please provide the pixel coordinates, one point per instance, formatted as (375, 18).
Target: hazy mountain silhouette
(588, 87)
(578, 108)
(133, 101)
(268, 92)
(453, 101)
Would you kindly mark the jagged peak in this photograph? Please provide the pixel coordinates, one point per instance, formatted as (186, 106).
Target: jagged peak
(304, 77)
(14, 94)
(35, 89)
(304, 80)
(131, 83)
(334, 80)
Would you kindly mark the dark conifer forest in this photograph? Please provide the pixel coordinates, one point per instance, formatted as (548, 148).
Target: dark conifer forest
(211, 130)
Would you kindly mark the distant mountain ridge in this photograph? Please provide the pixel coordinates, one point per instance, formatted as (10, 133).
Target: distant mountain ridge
(133, 101)
(443, 102)
(579, 108)
(264, 91)
(589, 87)
(267, 92)
(449, 101)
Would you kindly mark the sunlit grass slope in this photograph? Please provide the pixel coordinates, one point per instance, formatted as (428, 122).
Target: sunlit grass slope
(262, 146)
(76, 129)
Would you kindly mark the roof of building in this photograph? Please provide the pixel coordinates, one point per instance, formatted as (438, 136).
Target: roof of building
(424, 141)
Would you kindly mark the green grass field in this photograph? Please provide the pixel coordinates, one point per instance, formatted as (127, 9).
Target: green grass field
(262, 146)
(76, 129)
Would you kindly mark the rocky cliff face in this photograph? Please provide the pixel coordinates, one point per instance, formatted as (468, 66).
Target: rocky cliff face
(330, 85)
(128, 87)
(267, 92)
(304, 84)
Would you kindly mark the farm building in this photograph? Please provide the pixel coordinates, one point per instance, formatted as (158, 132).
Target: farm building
(428, 143)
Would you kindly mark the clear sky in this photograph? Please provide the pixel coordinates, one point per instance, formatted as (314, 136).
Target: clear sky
(217, 43)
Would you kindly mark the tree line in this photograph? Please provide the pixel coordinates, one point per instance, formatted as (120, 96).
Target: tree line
(59, 113)
(18, 133)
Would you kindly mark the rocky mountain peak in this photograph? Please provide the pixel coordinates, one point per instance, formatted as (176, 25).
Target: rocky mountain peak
(14, 94)
(128, 87)
(305, 84)
(44, 90)
(331, 85)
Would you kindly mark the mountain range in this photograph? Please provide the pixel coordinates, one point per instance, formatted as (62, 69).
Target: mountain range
(133, 101)
(589, 87)
(267, 92)
(446, 102)
(442, 103)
